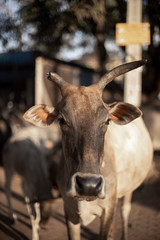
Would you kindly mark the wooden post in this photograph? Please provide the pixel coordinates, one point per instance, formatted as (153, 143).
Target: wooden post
(132, 84)
(43, 87)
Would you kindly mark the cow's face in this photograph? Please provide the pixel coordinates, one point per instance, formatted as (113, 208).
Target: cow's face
(84, 119)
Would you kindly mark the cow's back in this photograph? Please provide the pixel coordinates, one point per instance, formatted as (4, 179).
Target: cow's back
(132, 150)
(23, 155)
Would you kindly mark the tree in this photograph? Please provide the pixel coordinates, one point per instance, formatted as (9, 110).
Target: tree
(10, 31)
(52, 20)
(50, 24)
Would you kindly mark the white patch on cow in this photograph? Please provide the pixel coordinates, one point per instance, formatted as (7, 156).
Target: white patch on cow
(130, 169)
(103, 164)
(35, 220)
(88, 211)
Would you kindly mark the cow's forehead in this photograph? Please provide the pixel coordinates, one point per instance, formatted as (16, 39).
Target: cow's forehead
(84, 97)
(84, 102)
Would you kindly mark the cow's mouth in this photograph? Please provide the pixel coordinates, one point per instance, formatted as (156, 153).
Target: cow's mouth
(86, 198)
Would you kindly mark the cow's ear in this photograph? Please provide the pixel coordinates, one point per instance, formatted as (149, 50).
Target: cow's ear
(122, 113)
(40, 115)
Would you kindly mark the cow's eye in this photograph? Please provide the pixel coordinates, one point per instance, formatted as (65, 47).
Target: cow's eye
(61, 121)
(108, 121)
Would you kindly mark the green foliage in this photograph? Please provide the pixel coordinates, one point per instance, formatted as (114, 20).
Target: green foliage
(51, 20)
(10, 29)
(51, 23)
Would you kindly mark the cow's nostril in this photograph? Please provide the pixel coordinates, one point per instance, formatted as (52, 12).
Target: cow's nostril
(99, 183)
(79, 182)
(88, 186)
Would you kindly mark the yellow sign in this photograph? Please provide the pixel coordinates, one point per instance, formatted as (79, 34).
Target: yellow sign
(132, 33)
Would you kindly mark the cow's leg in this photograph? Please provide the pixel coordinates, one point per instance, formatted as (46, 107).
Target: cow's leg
(73, 225)
(34, 213)
(106, 224)
(126, 208)
(37, 219)
(33, 210)
(8, 176)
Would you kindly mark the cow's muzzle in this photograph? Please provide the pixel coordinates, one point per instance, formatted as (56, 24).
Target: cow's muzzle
(86, 186)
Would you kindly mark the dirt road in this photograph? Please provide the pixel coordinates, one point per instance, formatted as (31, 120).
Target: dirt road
(144, 221)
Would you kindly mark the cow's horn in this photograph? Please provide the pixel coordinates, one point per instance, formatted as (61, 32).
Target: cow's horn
(115, 72)
(54, 77)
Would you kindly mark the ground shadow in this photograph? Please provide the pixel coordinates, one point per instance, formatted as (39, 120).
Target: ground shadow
(148, 193)
(15, 211)
(6, 226)
(88, 234)
(14, 195)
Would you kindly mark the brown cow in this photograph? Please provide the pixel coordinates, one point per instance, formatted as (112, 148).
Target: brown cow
(106, 155)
